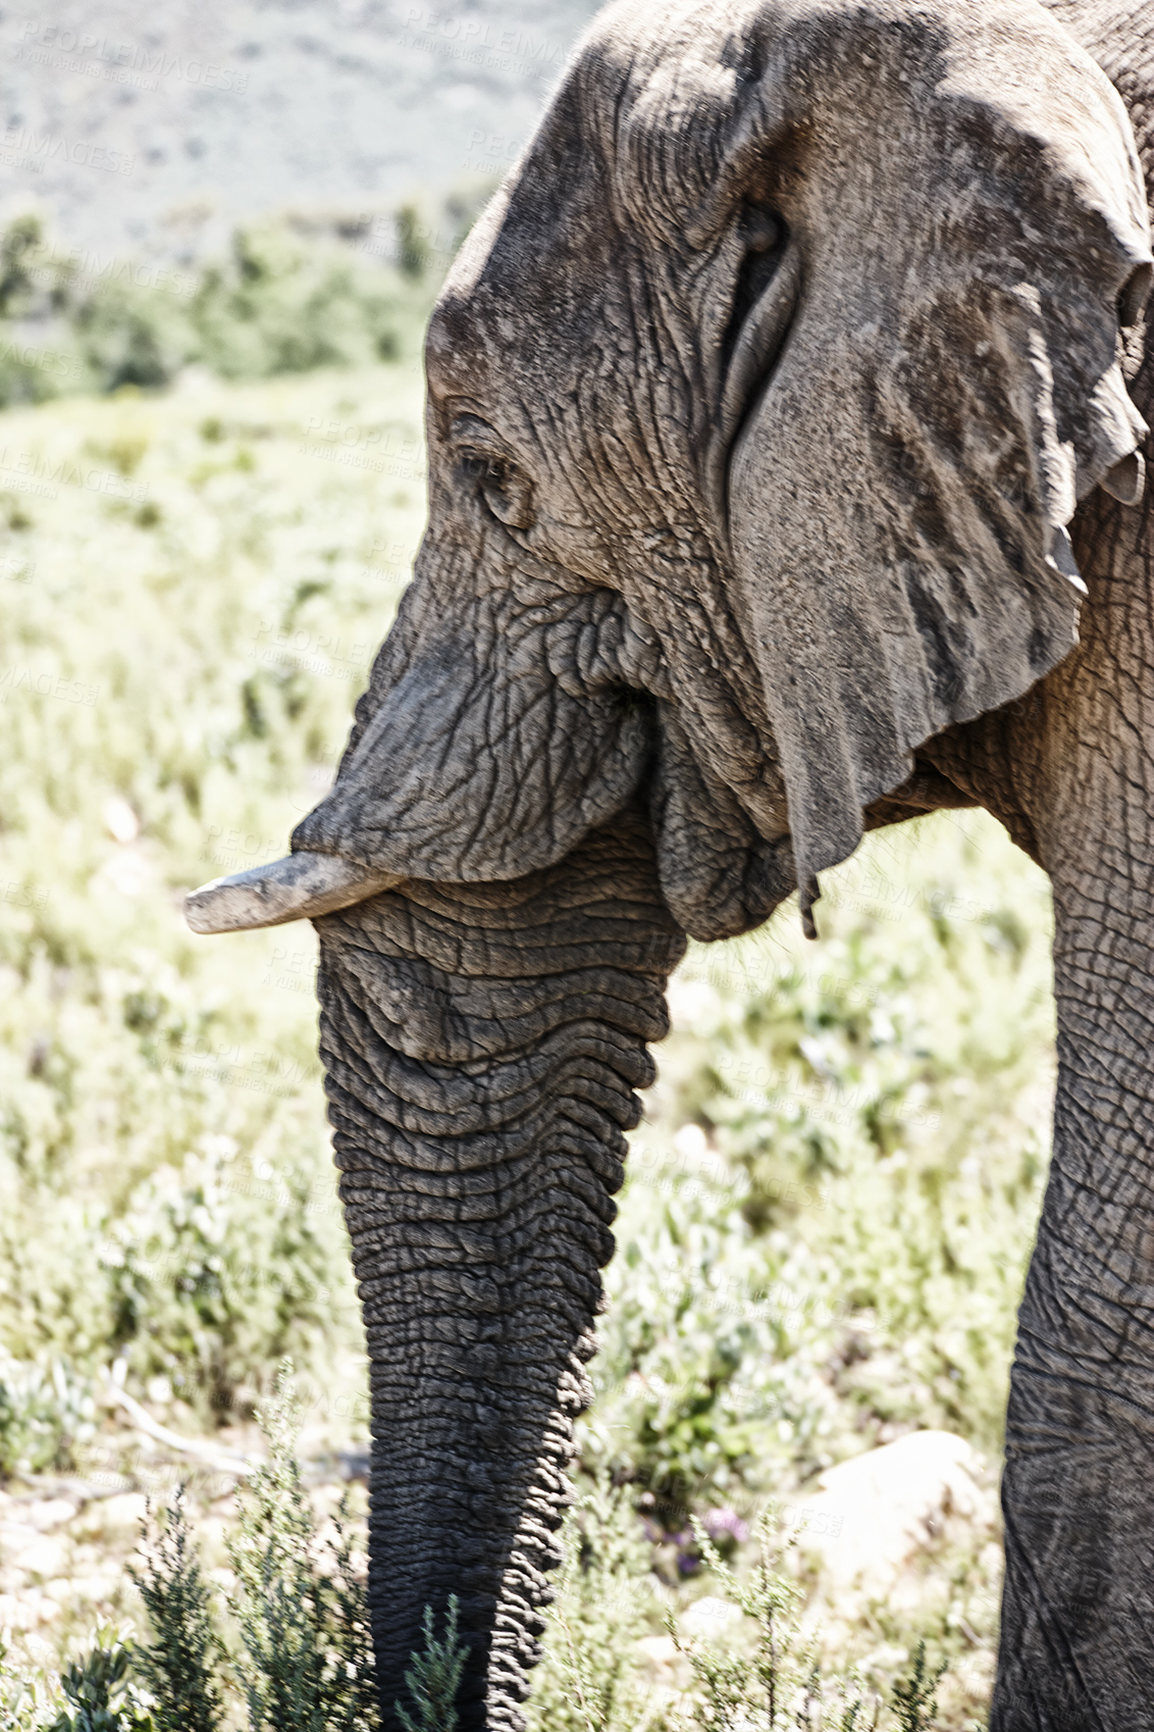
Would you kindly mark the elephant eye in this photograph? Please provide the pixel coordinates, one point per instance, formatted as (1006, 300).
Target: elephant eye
(505, 489)
(765, 236)
(763, 230)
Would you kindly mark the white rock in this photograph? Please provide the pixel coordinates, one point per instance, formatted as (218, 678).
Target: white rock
(874, 1513)
(658, 1650)
(120, 820)
(26, 1611)
(127, 1509)
(35, 1553)
(46, 1512)
(694, 1005)
(708, 1618)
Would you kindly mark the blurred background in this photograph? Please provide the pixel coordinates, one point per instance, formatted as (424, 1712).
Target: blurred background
(221, 232)
(214, 115)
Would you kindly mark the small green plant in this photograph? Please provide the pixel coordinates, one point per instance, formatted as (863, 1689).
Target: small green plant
(589, 1680)
(46, 1411)
(915, 1697)
(26, 1697)
(300, 1607)
(179, 1665)
(434, 1677)
(101, 1693)
(775, 1683)
(211, 1283)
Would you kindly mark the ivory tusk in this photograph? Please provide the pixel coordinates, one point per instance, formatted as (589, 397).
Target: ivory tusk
(299, 887)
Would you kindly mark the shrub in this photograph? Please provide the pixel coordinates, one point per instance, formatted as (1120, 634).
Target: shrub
(46, 1413)
(277, 305)
(27, 1699)
(589, 1679)
(300, 1606)
(179, 1665)
(214, 1278)
(277, 302)
(300, 1654)
(775, 1682)
(915, 1697)
(100, 1692)
(434, 1677)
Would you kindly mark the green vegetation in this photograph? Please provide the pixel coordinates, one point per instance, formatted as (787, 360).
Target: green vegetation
(303, 1621)
(822, 1240)
(281, 300)
(288, 1648)
(434, 1678)
(179, 1663)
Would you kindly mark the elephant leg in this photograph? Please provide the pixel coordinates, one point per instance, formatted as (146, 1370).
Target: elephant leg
(482, 1046)
(1077, 1643)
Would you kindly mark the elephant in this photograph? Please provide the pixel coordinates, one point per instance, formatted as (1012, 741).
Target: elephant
(785, 481)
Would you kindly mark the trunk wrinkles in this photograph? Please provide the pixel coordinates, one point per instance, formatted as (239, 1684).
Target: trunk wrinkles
(482, 1045)
(1078, 1490)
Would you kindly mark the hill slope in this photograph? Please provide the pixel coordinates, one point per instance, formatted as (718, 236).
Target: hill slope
(154, 128)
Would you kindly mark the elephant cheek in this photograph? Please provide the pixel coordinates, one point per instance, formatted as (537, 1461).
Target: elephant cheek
(482, 1045)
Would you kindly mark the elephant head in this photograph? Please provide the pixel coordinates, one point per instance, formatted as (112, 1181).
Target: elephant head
(760, 401)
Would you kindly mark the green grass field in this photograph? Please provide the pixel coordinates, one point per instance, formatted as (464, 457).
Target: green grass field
(822, 1242)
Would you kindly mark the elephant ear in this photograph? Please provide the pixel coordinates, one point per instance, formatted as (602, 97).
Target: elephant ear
(937, 382)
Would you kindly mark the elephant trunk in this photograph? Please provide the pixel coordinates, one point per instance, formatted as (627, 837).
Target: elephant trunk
(1078, 1490)
(482, 1046)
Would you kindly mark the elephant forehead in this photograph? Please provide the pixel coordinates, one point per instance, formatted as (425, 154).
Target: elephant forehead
(673, 112)
(527, 293)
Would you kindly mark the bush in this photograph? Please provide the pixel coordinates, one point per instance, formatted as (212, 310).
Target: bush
(301, 1655)
(100, 1693)
(278, 302)
(607, 1600)
(434, 1677)
(830, 1249)
(280, 306)
(214, 1276)
(180, 1664)
(47, 1413)
(289, 1647)
(300, 1606)
(776, 1680)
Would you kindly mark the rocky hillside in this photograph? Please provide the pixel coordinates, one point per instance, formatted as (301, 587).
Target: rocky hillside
(148, 128)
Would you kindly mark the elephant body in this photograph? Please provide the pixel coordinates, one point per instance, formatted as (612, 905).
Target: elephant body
(784, 424)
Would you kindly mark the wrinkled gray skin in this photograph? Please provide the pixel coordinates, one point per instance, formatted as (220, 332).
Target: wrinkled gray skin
(759, 404)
